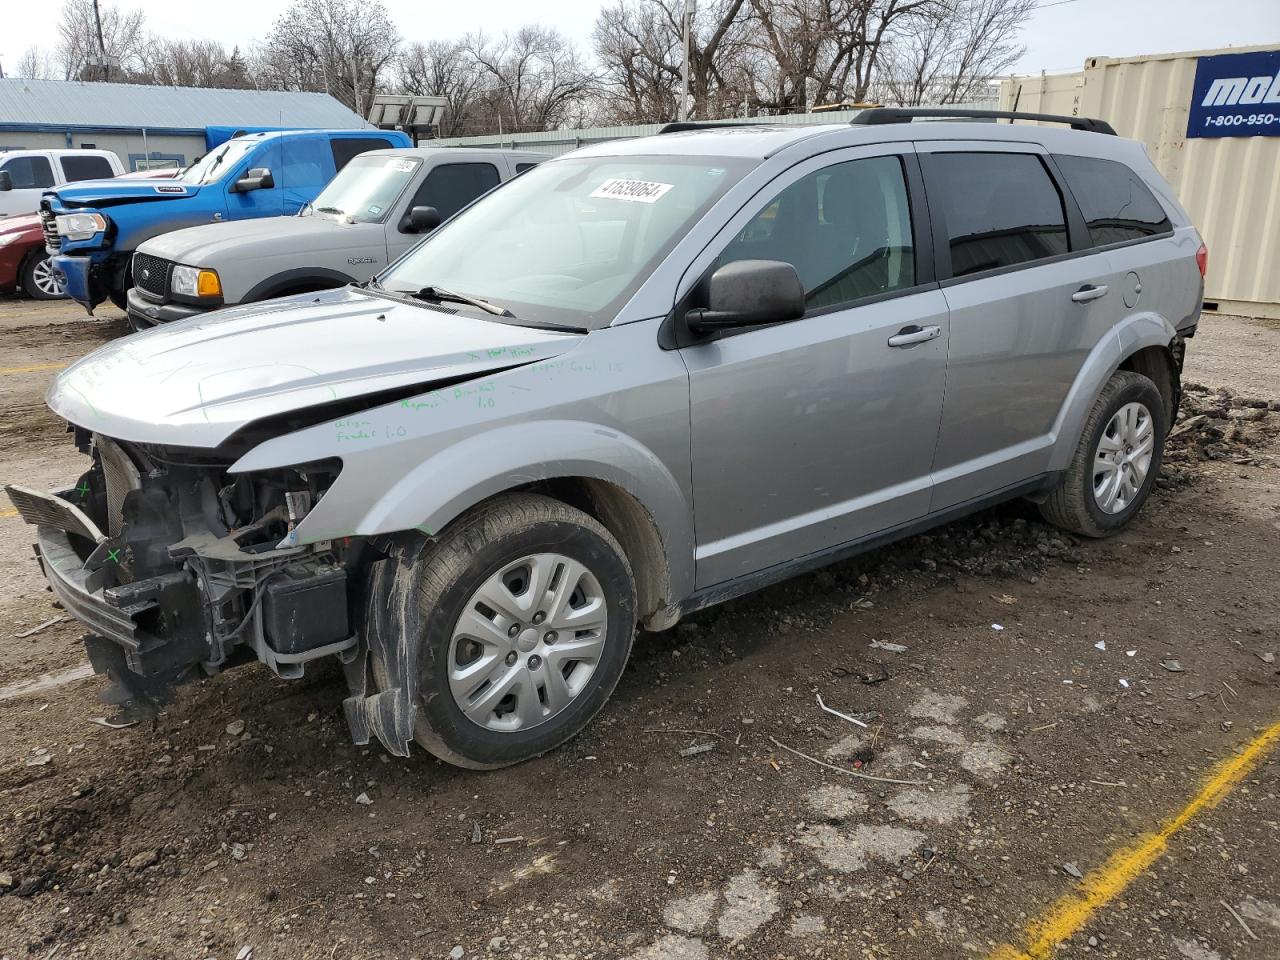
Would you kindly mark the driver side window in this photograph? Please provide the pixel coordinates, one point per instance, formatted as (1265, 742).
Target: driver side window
(845, 228)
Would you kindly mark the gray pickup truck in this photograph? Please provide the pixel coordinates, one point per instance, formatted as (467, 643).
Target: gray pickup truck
(377, 207)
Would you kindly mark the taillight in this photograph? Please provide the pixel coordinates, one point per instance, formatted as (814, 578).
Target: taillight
(1202, 259)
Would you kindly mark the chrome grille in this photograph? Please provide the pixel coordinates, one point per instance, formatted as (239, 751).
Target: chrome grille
(151, 274)
(49, 226)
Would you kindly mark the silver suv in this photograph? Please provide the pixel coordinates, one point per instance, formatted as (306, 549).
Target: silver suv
(640, 379)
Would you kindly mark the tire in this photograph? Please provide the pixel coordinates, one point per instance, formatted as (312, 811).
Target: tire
(1076, 504)
(486, 552)
(38, 280)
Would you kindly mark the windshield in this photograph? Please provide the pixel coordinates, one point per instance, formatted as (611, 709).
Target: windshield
(216, 162)
(571, 240)
(366, 189)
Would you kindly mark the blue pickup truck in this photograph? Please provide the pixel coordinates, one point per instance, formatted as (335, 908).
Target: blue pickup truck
(92, 228)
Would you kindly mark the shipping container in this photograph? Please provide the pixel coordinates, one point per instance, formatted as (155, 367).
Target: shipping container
(1210, 120)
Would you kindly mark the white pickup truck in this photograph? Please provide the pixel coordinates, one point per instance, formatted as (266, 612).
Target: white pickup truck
(377, 207)
(25, 174)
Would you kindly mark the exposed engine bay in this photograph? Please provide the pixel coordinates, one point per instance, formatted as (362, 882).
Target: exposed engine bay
(185, 569)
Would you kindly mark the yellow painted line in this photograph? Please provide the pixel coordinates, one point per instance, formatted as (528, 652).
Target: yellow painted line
(33, 369)
(5, 514)
(1065, 919)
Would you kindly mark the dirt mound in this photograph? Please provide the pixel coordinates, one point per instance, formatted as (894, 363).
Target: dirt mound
(1220, 424)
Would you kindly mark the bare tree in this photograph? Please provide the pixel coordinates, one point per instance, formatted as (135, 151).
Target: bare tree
(339, 46)
(534, 79)
(445, 68)
(193, 63)
(826, 50)
(952, 54)
(123, 38)
(640, 46)
(36, 64)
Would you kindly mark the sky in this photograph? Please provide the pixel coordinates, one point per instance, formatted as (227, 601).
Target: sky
(1059, 37)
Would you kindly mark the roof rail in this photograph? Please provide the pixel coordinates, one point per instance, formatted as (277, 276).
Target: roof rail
(682, 125)
(880, 115)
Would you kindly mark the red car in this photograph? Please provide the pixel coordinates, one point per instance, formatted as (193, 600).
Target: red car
(24, 264)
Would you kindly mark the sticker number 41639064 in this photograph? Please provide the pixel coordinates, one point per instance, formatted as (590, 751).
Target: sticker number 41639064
(636, 191)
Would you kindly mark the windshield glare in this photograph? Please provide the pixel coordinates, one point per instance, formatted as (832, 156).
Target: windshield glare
(571, 240)
(216, 162)
(366, 189)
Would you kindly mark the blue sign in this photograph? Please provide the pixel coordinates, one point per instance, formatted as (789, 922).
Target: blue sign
(1236, 95)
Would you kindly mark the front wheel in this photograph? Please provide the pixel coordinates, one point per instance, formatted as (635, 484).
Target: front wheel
(523, 616)
(40, 281)
(1116, 462)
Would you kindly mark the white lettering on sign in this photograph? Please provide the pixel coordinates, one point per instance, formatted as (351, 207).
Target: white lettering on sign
(635, 191)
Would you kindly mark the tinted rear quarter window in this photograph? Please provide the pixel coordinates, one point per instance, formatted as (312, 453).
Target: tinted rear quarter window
(451, 186)
(1116, 204)
(522, 167)
(86, 168)
(344, 148)
(1000, 209)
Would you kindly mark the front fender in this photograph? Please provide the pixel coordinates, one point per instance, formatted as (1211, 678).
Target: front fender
(435, 492)
(1134, 333)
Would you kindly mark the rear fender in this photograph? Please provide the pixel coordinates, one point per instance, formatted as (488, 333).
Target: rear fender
(1134, 333)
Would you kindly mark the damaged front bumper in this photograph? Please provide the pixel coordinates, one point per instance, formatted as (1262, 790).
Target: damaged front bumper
(179, 571)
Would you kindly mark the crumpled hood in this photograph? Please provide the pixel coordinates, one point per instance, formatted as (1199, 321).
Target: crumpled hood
(195, 382)
(106, 193)
(208, 243)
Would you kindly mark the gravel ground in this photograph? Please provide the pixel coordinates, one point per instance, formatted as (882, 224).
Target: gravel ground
(1045, 701)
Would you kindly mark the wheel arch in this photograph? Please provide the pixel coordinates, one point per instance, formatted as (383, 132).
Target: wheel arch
(624, 516)
(606, 473)
(1144, 343)
(296, 280)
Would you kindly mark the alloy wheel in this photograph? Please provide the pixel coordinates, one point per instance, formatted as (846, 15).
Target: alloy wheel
(47, 279)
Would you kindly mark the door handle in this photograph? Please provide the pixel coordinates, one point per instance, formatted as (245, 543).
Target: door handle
(1089, 292)
(910, 336)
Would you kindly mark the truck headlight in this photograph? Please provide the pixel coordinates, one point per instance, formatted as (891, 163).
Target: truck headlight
(194, 282)
(80, 226)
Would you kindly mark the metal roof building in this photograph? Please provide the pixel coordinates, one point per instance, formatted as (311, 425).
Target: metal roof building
(149, 125)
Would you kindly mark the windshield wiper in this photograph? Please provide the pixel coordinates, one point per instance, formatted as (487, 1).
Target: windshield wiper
(432, 292)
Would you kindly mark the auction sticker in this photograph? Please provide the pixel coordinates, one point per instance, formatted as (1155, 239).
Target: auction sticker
(635, 191)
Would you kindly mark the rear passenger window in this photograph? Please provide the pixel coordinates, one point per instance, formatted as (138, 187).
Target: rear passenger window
(1000, 209)
(344, 148)
(845, 228)
(451, 186)
(522, 167)
(1116, 204)
(86, 168)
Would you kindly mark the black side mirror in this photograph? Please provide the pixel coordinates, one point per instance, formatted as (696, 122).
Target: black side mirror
(257, 178)
(749, 293)
(6, 181)
(422, 219)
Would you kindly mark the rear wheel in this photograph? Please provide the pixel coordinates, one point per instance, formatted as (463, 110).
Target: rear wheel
(1116, 461)
(523, 615)
(39, 280)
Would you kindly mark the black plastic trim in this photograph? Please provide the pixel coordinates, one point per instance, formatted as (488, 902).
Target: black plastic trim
(879, 115)
(274, 285)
